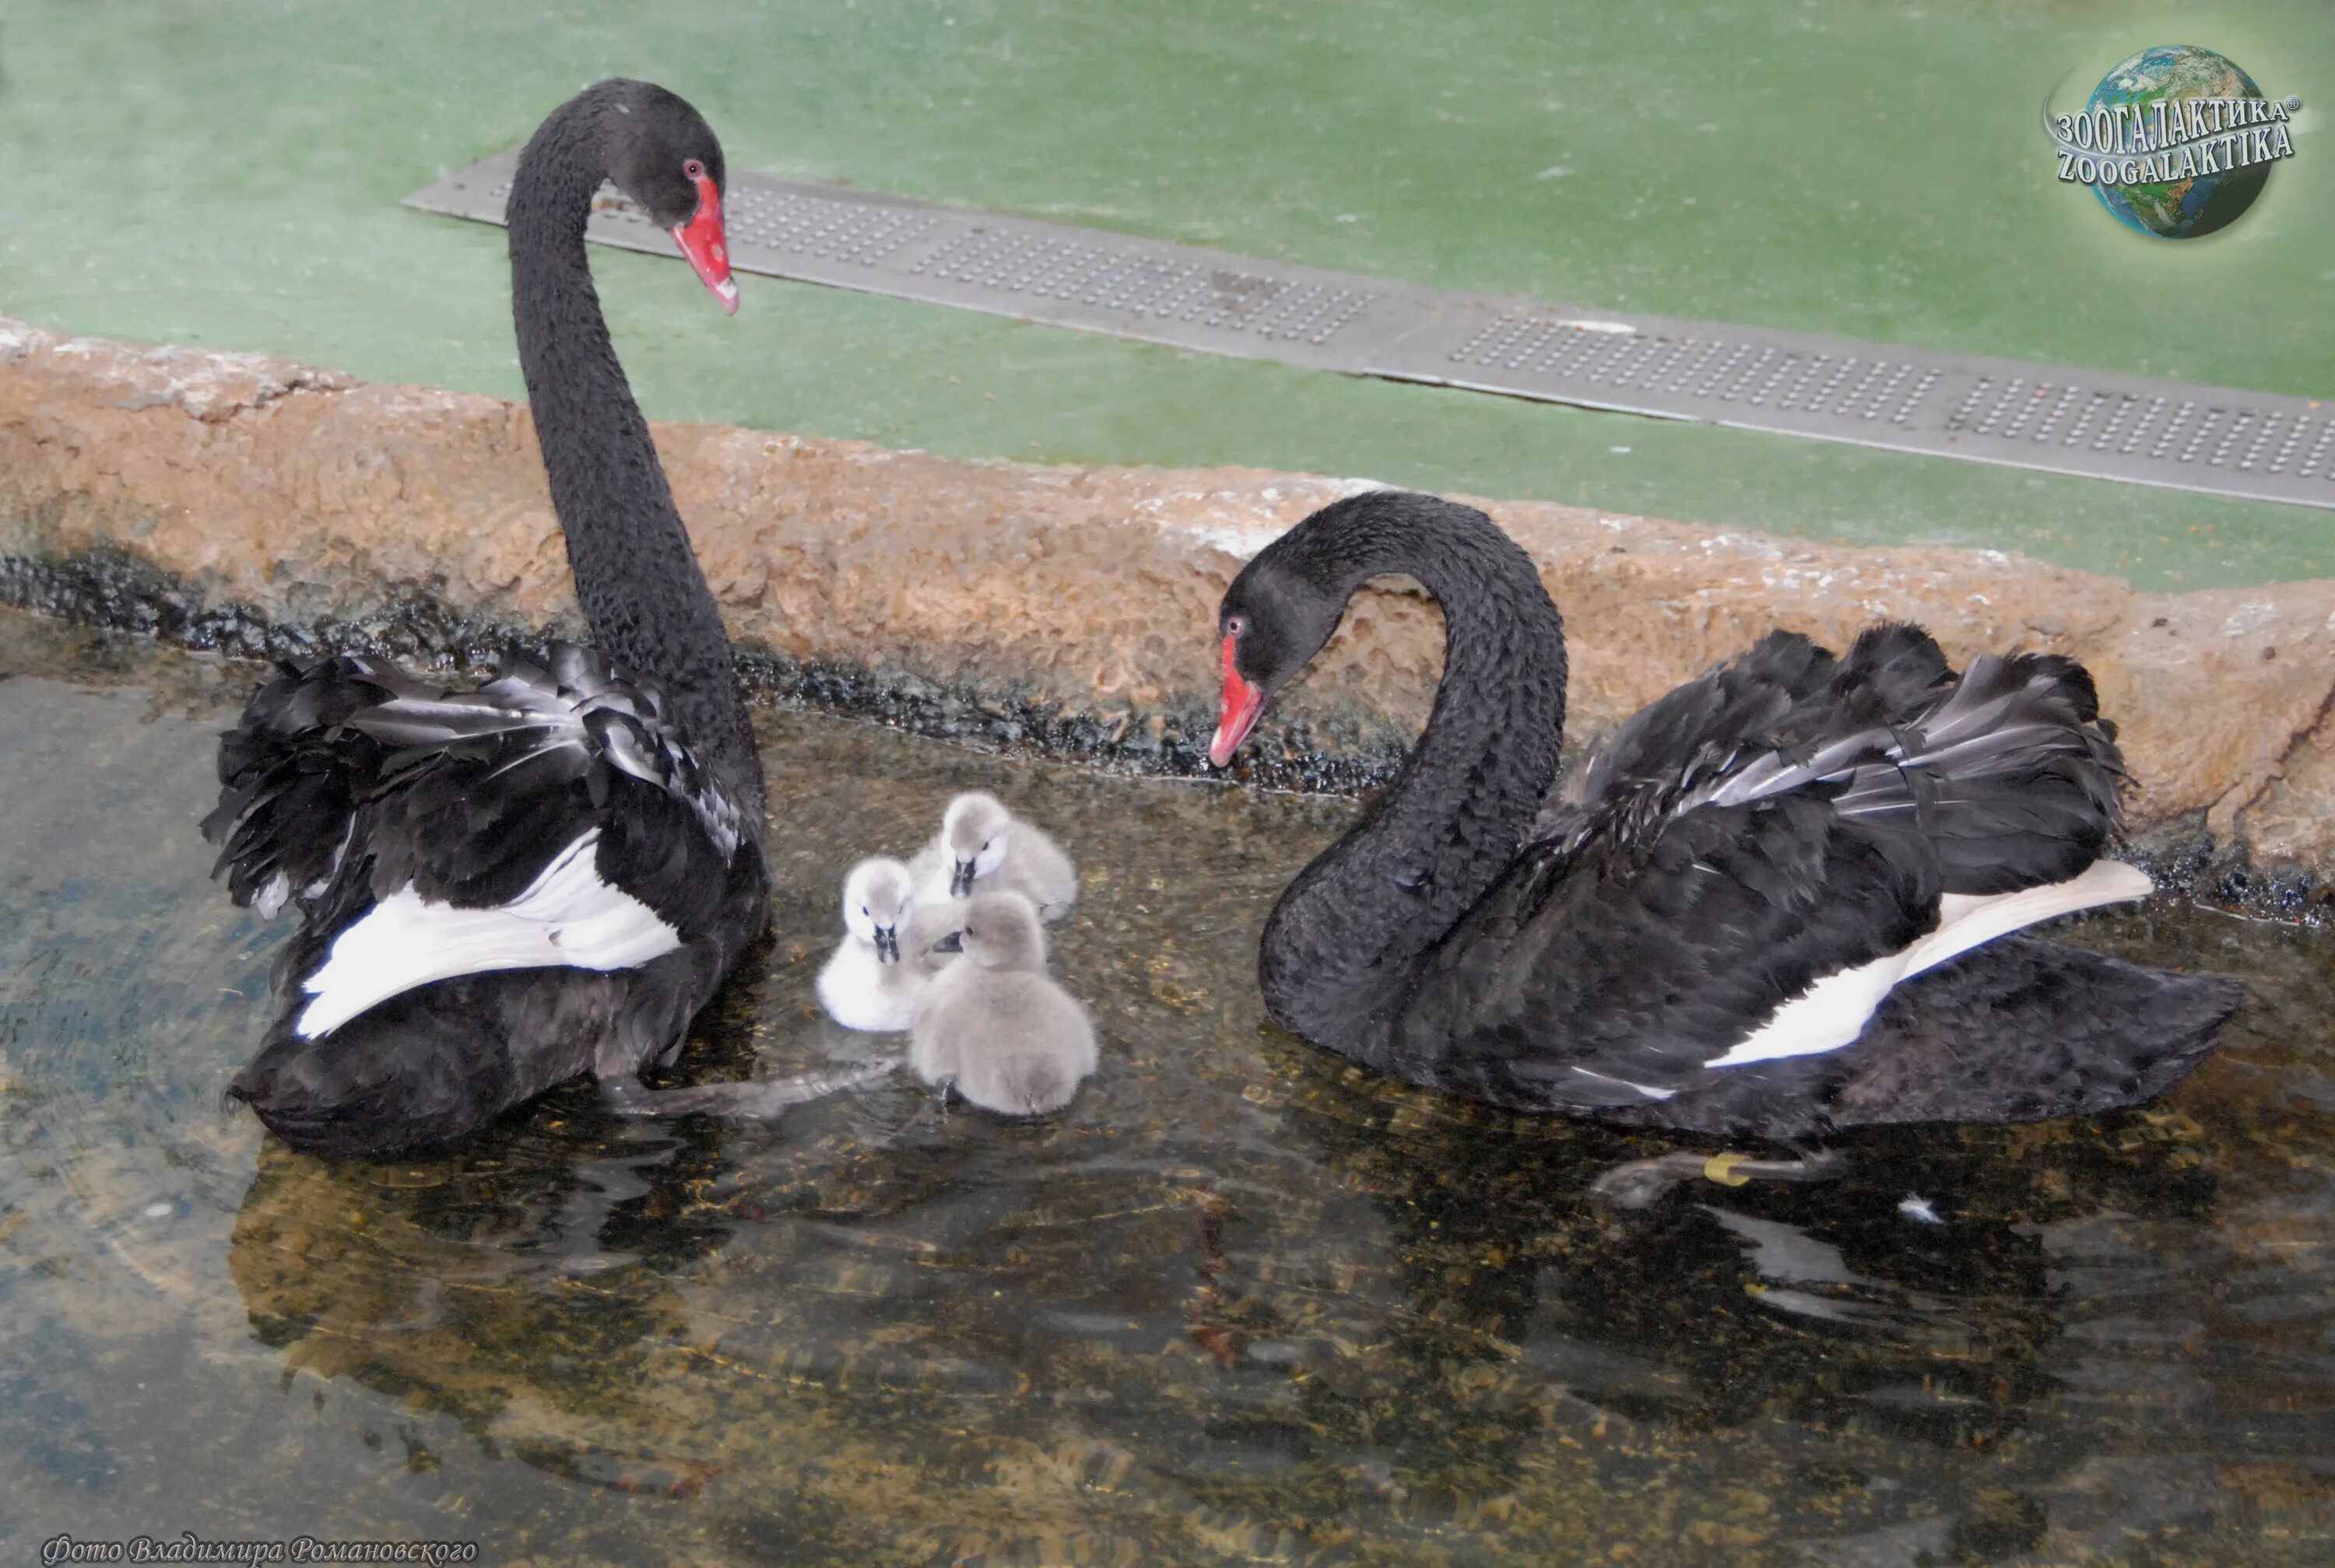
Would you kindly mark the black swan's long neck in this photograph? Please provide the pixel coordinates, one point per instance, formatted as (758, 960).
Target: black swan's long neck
(1345, 936)
(637, 577)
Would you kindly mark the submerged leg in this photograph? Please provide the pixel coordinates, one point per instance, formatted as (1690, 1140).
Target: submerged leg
(1640, 1183)
(760, 1100)
(603, 1185)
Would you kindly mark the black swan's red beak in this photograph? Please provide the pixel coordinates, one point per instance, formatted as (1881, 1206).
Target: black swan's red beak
(1236, 714)
(707, 244)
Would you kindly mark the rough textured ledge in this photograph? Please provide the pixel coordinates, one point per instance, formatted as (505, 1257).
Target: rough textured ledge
(249, 503)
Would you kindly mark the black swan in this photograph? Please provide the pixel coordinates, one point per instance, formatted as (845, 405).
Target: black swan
(501, 890)
(1704, 927)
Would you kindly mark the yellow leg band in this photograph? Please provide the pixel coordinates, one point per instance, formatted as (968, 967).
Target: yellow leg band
(1721, 1169)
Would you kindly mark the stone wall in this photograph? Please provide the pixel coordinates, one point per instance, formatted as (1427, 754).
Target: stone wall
(1087, 594)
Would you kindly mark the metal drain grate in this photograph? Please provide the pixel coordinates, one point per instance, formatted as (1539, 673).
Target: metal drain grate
(2255, 445)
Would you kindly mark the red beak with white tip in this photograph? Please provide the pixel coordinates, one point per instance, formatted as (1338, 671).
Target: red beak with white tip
(1236, 713)
(706, 243)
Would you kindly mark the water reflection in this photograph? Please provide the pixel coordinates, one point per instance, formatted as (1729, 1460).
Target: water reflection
(1239, 1303)
(1405, 1342)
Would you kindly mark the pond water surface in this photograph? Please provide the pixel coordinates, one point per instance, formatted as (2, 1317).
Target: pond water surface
(1242, 1303)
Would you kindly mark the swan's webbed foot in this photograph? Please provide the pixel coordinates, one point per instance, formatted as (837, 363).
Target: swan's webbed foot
(1640, 1183)
(762, 1099)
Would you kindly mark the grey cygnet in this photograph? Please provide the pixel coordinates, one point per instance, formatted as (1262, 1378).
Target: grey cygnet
(1009, 1039)
(984, 849)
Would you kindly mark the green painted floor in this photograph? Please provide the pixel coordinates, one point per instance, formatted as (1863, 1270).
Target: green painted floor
(228, 172)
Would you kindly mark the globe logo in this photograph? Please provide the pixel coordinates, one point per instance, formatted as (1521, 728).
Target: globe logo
(2176, 142)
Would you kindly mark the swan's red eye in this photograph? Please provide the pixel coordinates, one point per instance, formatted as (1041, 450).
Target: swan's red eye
(1234, 626)
(695, 169)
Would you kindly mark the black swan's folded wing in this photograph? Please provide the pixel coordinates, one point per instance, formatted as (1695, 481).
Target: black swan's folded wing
(1742, 871)
(1619, 975)
(2006, 776)
(1644, 771)
(292, 773)
(480, 789)
(551, 817)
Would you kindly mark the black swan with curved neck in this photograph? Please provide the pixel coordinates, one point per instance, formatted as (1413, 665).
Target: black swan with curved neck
(1715, 922)
(502, 888)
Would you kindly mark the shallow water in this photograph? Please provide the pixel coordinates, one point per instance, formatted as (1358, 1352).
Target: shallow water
(1240, 1303)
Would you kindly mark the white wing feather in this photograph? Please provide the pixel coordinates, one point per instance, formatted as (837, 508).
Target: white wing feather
(567, 917)
(1831, 1013)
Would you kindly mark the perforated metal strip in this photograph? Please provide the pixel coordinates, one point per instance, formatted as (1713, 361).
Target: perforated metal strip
(2251, 445)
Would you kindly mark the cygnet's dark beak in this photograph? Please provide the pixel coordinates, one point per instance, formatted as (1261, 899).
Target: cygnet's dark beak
(961, 880)
(953, 943)
(888, 945)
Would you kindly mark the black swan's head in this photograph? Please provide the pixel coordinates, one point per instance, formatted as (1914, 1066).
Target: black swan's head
(1287, 603)
(1288, 600)
(662, 154)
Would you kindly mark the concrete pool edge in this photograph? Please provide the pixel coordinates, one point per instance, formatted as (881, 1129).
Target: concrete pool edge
(255, 504)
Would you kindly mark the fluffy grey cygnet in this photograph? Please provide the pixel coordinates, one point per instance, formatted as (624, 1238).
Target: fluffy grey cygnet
(984, 849)
(993, 1024)
(886, 960)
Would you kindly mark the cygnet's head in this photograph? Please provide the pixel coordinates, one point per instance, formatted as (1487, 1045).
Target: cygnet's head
(973, 831)
(999, 931)
(929, 936)
(876, 896)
